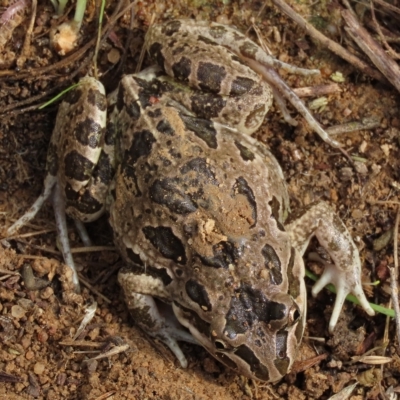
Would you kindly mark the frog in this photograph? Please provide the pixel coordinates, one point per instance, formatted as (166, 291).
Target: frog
(199, 209)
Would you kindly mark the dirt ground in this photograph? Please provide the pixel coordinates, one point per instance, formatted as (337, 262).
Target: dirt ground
(38, 356)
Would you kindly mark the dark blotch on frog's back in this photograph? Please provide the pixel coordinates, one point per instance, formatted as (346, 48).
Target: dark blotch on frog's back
(97, 99)
(141, 146)
(165, 127)
(88, 132)
(241, 85)
(210, 76)
(207, 41)
(84, 203)
(77, 166)
(259, 370)
(155, 51)
(245, 153)
(272, 264)
(224, 254)
(242, 187)
(202, 128)
(248, 307)
(198, 294)
(170, 193)
(164, 240)
(202, 169)
(207, 105)
(182, 69)
(171, 27)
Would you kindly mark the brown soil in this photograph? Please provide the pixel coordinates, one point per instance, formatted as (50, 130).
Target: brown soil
(38, 358)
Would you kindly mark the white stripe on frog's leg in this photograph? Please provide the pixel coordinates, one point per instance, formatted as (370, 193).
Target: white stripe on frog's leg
(62, 231)
(320, 220)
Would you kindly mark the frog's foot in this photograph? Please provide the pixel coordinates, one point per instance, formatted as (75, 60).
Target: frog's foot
(146, 314)
(320, 220)
(49, 183)
(345, 282)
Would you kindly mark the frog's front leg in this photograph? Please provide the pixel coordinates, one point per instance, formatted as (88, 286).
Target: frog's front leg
(79, 163)
(345, 273)
(156, 319)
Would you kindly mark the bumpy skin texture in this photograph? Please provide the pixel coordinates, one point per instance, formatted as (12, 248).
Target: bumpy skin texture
(198, 208)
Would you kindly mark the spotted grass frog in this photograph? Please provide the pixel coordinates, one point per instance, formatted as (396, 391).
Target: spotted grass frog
(199, 209)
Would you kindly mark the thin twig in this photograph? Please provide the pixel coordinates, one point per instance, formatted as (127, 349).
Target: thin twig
(27, 42)
(318, 90)
(394, 274)
(92, 289)
(372, 49)
(330, 44)
(387, 5)
(390, 50)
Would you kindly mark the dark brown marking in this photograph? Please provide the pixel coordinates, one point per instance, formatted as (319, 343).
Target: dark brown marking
(88, 133)
(282, 361)
(198, 294)
(97, 99)
(165, 128)
(210, 76)
(258, 369)
(245, 153)
(155, 51)
(249, 306)
(73, 96)
(202, 128)
(241, 85)
(141, 146)
(273, 264)
(242, 187)
(164, 240)
(104, 170)
(182, 69)
(84, 203)
(224, 254)
(77, 166)
(171, 27)
(275, 208)
(169, 192)
(207, 105)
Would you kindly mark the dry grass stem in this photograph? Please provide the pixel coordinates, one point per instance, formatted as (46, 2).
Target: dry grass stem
(372, 49)
(328, 43)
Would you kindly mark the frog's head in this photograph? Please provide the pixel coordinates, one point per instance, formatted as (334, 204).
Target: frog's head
(255, 332)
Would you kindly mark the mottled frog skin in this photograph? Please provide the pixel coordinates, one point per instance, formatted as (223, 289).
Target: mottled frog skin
(199, 209)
